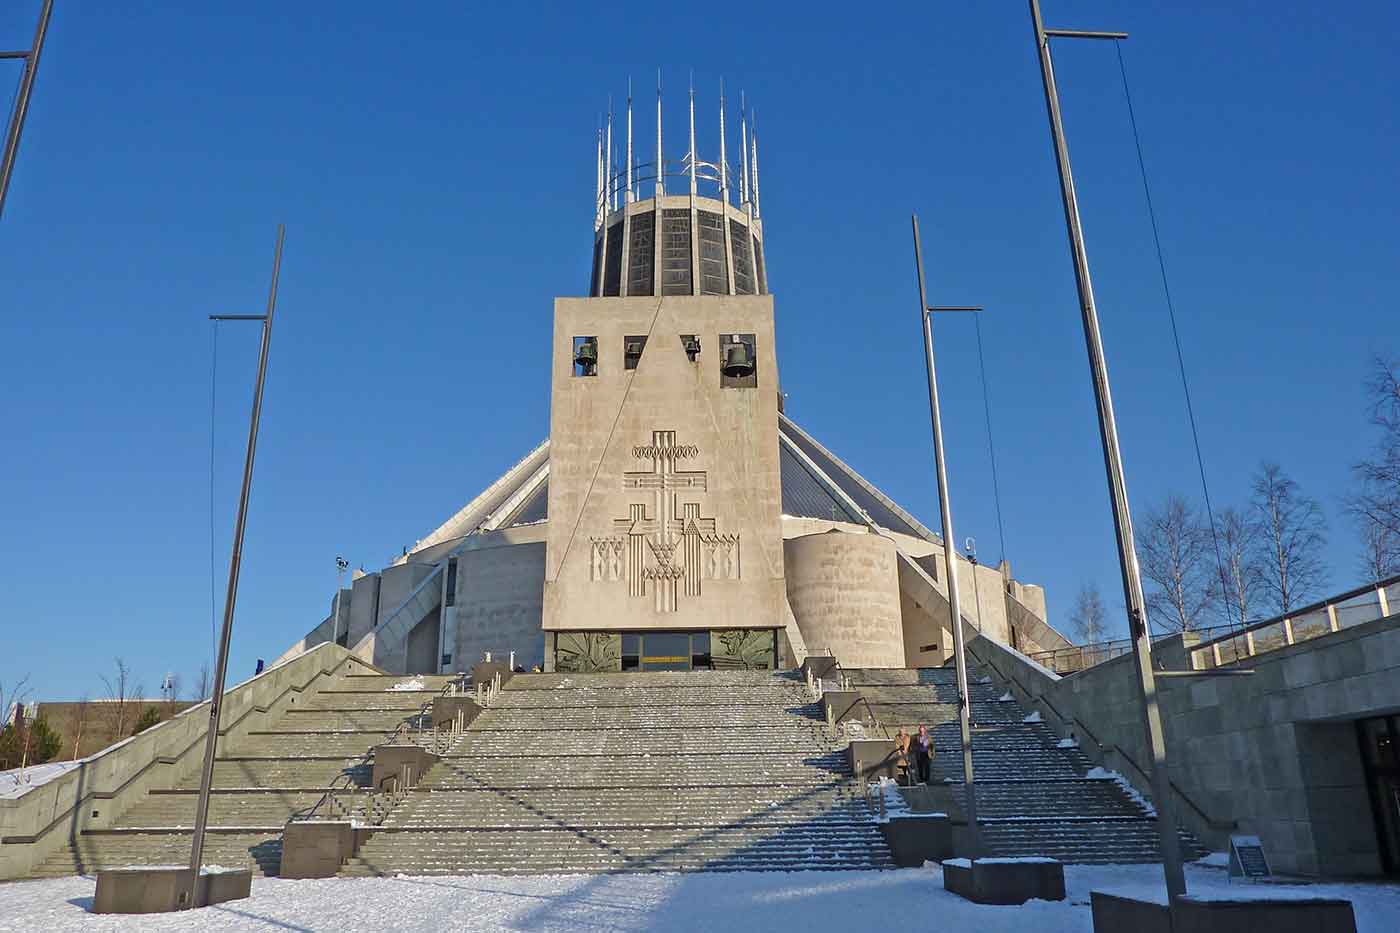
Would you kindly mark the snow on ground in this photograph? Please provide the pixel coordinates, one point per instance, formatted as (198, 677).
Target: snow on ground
(1033, 717)
(415, 683)
(658, 903)
(17, 782)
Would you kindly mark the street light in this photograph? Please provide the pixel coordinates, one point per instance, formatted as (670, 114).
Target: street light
(1113, 459)
(949, 558)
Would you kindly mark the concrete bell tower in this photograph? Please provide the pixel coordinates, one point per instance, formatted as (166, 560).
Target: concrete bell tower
(665, 545)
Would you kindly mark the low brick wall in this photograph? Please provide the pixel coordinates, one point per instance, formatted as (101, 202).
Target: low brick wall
(95, 793)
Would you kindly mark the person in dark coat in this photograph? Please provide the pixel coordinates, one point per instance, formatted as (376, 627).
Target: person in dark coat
(922, 746)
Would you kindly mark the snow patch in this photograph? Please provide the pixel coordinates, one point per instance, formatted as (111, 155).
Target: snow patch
(413, 683)
(1033, 717)
(20, 781)
(1103, 774)
(1067, 743)
(1215, 860)
(1006, 698)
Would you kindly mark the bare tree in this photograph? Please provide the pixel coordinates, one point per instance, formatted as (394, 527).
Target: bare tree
(1380, 550)
(16, 696)
(1376, 503)
(119, 693)
(1174, 553)
(1293, 534)
(1243, 577)
(1088, 619)
(80, 715)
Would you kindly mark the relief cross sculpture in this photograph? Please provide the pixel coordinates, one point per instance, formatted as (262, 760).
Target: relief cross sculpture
(671, 546)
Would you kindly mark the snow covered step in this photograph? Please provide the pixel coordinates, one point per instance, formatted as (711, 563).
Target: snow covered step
(625, 717)
(613, 806)
(763, 693)
(1049, 800)
(628, 771)
(508, 743)
(369, 699)
(523, 851)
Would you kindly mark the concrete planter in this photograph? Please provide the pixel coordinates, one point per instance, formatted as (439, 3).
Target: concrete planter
(316, 849)
(1005, 881)
(914, 840)
(446, 708)
(394, 762)
(872, 758)
(1192, 915)
(161, 889)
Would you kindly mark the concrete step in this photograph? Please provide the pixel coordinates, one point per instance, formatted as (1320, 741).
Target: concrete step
(261, 851)
(298, 773)
(699, 680)
(629, 771)
(512, 743)
(347, 720)
(614, 806)
(767, 694)
(1048, 800)
(555, 850)
(1082, 842)
(166, 809)
(627, 717)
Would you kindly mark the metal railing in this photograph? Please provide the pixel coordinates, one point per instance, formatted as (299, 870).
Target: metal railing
(1075, 658)
(378, 801)
(1364, 604)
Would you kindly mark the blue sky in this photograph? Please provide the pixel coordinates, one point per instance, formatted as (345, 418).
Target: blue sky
(434, 170)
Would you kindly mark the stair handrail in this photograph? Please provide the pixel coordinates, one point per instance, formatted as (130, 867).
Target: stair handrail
(342, 781)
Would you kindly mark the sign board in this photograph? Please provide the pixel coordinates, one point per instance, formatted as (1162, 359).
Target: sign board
(1247, 858)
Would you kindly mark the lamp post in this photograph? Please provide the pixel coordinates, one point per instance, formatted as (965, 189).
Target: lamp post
(201, 815)
(950, 559)
(970, 546)
(341, 565)
(1113, 459)
(30, 57)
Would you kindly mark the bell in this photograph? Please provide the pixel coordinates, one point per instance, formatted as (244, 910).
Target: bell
(632, 353)
(692, 346)
(738, 361)
(586, 356)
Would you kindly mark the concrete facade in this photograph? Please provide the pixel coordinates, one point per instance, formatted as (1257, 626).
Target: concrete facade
(664, 493)
(844, 591)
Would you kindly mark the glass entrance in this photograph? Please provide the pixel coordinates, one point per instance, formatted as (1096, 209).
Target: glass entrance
(1380, 752)
(666, 651)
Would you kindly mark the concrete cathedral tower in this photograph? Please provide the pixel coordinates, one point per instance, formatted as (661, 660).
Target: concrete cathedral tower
(676, 518)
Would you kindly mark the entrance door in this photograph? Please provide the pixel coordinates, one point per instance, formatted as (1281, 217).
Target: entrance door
(1380, 751)
(666, 651)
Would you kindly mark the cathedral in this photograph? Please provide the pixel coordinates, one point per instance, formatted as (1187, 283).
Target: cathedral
(675, 518)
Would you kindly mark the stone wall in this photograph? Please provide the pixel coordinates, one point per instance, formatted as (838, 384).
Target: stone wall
(844, 593)
(500, 597)
(1274, 753)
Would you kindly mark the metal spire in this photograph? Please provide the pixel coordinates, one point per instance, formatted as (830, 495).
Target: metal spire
(10, 152)
(743, 150)
(757, 211)
(598, 172)
(660, 172)
(611, 189)
(723, 161)
(631, 195)
(692, 136)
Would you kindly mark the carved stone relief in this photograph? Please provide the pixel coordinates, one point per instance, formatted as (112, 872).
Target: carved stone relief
(668, 548)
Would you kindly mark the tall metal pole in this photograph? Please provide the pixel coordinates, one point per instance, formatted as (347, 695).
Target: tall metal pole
(1113, 465)
(26, 87)
(950, 560)
(201, 816)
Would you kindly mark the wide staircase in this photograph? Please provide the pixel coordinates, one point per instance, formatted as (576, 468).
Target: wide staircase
(259, 782)
(659, 771)
(1034, 796)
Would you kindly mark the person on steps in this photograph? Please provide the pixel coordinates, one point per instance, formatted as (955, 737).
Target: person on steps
(923, 753)
(901, 756)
